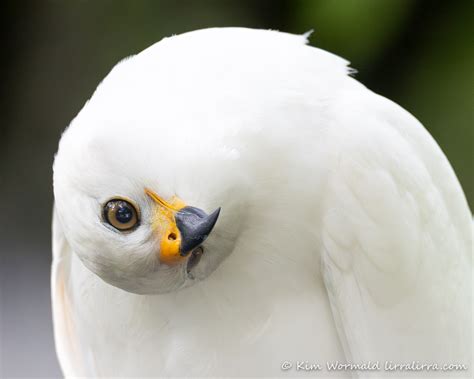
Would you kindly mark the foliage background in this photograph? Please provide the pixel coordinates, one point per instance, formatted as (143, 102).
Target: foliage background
(418, 53)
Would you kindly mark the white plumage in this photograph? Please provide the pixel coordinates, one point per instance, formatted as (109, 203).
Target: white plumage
(344, 233)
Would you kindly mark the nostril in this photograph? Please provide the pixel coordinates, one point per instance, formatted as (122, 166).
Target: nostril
(172, 236)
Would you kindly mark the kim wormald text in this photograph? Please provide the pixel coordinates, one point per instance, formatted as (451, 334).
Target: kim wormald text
(372, 366)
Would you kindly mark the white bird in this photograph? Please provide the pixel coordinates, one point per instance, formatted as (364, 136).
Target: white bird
(343, 235)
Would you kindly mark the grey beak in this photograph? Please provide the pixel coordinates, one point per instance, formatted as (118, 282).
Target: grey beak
(194, 225)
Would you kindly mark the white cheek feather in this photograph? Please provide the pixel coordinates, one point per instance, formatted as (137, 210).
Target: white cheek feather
(344, 233)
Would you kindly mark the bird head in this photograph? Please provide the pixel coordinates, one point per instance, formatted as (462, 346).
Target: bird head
(139, 214)
(173, 159)
(149, 189)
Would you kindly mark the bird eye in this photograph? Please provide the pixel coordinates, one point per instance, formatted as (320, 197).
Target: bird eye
(121, 214)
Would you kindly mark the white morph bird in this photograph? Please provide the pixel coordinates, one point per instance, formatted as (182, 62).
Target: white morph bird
(343, 234)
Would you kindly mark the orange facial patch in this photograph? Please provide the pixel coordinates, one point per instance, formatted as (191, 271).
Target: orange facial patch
(164, 223)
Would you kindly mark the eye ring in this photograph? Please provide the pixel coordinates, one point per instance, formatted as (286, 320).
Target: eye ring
(122, 214)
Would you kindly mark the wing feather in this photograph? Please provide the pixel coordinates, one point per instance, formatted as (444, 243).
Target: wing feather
(396, 236)
(65, 335)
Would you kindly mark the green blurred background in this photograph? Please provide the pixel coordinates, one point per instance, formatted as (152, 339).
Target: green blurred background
(418, 53)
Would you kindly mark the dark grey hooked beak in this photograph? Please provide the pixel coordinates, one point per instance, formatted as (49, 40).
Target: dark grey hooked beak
(194, 225)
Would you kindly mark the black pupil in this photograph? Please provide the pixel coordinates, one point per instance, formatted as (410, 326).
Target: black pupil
(124, 214)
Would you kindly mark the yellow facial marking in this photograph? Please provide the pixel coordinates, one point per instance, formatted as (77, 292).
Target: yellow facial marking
(164, 223)
(175, 204)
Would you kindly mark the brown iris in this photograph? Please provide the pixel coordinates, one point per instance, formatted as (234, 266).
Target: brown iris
(121, 214)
